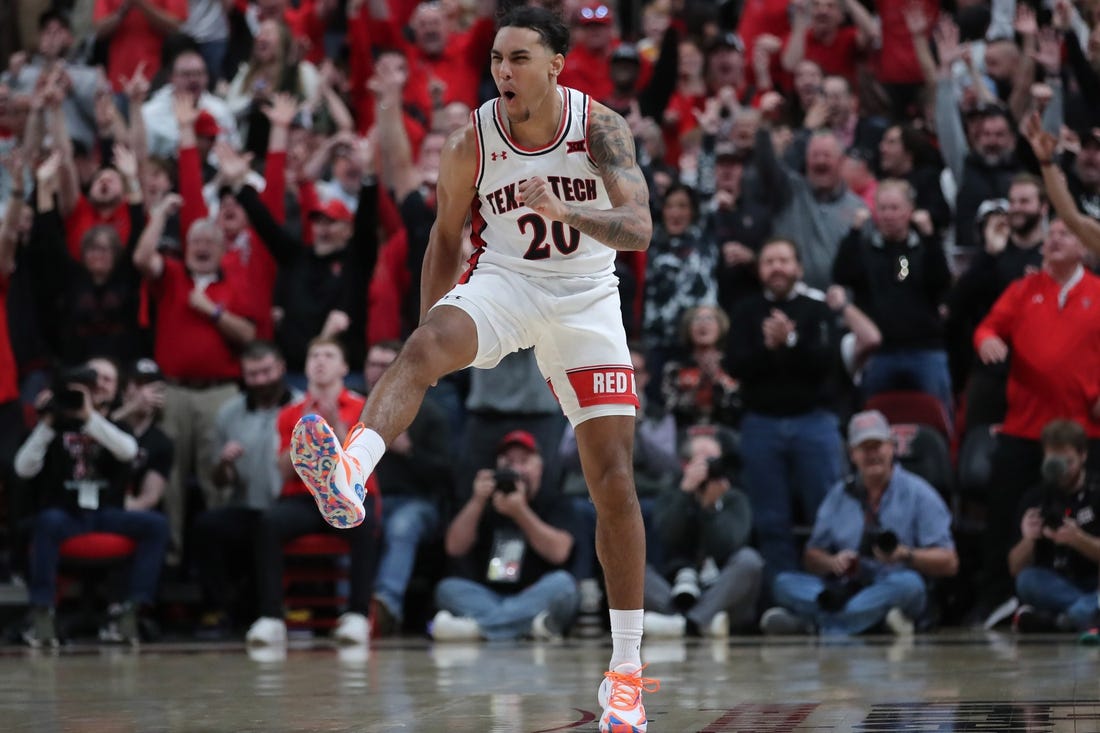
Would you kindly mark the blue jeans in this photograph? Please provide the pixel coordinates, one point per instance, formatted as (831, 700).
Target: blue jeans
(1046, 590)
(798, 592)
(53, 526)
(784, 459)
(920, 369)
(509, 616)
(406, 522)
(213, 53)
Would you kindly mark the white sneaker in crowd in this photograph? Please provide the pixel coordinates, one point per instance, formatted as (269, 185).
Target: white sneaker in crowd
(719, 626)
(266, 631)
(448, 627)
(899, 623)
(663, 626)
(352, 628)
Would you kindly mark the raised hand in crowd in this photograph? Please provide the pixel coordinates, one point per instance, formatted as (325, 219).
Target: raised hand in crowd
(709, 118)
(1048, 55)
(282, 108)
(1061, 16)
(948, 46)
(233, 167)
(335, 324)
(136, 87)
(916, 20)
(187, 110)
(1026, 23)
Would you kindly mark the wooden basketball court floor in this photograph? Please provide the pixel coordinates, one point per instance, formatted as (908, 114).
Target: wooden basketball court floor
(961, 681)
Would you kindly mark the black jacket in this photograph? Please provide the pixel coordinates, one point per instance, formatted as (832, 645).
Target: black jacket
(310, 286)
(790, 380)
(899, 285)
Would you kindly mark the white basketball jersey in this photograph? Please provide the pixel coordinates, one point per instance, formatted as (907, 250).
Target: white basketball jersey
(510, 234)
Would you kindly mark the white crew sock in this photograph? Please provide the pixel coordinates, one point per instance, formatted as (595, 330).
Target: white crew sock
(367, 448)
(626, 638)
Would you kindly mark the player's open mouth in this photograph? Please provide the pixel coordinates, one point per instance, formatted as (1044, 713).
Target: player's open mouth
(509, 96)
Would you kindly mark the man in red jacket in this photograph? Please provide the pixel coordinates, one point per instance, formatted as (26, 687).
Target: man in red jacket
(1050, 321)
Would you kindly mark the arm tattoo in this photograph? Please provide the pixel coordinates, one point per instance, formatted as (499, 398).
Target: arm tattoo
(627, 225)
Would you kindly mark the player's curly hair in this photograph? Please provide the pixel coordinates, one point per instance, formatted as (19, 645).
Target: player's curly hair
(552, 31)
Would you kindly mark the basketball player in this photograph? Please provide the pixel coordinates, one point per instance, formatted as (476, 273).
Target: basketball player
(550, 180)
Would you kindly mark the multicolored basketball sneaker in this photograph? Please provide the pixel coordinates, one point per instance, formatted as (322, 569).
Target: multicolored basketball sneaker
(620, 696)
(333, 477)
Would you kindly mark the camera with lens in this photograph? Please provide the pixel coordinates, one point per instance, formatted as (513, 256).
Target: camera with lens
(885, 540)
(686, 588)
(716, 468)
(1053, 507)
(837, 592)
(506, 480)
(66, 399)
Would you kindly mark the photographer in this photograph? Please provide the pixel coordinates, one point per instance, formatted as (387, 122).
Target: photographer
(78, 464)
(511, 544)
(704, 526)
(875, 540)
(1055, 560)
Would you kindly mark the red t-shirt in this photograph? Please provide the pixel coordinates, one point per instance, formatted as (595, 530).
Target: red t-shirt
(1055, 365)
(839, 58)
(135, 40)
(9, 382)
(459, 67)
(897, 60)
(84, 217)
(350, 406)
(188, 345)
(763, 16)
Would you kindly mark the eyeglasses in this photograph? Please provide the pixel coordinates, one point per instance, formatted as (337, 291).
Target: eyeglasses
(597, 13)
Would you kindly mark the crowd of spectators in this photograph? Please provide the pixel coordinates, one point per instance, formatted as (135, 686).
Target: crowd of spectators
(213, 217)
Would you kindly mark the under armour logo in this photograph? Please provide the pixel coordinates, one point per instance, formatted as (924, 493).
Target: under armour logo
(574, 146)
(503, 155)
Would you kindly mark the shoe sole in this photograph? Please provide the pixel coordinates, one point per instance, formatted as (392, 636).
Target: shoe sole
(316, 457)
(615, 725)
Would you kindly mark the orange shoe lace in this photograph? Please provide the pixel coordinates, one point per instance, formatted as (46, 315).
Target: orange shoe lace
(353, 431)
(626, 688)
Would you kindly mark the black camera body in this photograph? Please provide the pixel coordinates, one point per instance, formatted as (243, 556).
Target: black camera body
(1053, 506)
(506, 480)
(66, 400)
(837, 592)
(1053, 511)
(885, 540)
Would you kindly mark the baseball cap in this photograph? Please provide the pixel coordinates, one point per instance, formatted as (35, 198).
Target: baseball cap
(146, 371)
(626, 52)
(1089, 135)
(593, 14)
(991, 206)
(521, 438)
(729, 39)
(333, 209)
(868, 425)
(206, 125)
(728, 152)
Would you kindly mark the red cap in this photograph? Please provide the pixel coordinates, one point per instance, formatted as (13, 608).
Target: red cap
(206, 125)
(333, 209)
(593, 14)
(521, 438)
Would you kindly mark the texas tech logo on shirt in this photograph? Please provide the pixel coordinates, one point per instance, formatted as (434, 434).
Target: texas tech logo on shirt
(567, 189)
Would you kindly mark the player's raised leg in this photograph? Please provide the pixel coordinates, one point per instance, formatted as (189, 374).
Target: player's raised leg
(337, 474)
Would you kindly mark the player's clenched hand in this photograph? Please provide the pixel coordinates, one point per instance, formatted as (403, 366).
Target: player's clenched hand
(536, 194)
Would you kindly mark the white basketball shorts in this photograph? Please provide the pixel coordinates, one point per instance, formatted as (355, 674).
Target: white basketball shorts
(573, 322)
